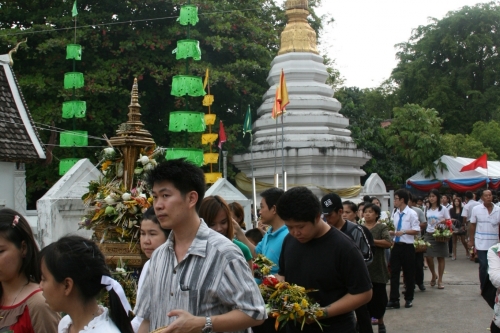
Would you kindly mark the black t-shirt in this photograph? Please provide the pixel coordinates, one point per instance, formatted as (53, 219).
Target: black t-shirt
(333, 264)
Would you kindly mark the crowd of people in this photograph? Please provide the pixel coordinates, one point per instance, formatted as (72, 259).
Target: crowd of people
(199, 277)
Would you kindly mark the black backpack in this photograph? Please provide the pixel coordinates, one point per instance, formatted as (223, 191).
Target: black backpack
(364, 240)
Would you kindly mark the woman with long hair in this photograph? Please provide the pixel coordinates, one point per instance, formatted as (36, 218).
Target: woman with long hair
(22, 306)
(74, 272)
(152, 236)
(436, 214)
(238, 214)
(378, 270)
(459, 232)
(217, 215)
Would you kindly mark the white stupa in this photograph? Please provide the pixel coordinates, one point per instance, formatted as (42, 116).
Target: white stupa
(318, 150)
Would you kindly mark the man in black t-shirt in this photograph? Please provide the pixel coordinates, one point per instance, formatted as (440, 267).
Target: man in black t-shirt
(316, 256)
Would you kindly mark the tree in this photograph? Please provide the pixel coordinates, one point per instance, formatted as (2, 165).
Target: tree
(488, 134)
(415, 136)
(465, 146)
(452, 65)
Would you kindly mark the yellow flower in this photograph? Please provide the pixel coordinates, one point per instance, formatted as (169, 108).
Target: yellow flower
(301, 313)
(292, 316)
(319, 313)
(304, 303)
(296, 307)
(106, 165)
(150, 200)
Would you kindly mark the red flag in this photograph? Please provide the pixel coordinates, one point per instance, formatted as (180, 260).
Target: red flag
(281, 98)
(222, 134)
(480, 162)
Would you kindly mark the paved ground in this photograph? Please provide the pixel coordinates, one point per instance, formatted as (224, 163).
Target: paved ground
(457, 308)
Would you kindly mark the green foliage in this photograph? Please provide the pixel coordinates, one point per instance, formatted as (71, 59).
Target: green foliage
(488, 134)
(452, 65)
(415, 136)
(465, 146)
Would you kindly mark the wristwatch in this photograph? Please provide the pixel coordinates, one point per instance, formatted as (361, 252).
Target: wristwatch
(404, 232)
(208, 325)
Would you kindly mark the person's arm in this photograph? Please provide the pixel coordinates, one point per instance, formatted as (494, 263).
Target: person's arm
(472, 234)
(229, 322)
(494, 267)
(382, 243)
(240, 234)
(347, 304)
(144, 328)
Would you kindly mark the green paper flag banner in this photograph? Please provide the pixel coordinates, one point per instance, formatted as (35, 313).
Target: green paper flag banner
(194, 156)
(187, 85)
(193, 122)
(74, 139)
(247, 124)
(73, 80)
(72, 109)
(189, 15)
(74, 51)
(66, 164)
(74, 11)
(188, 48)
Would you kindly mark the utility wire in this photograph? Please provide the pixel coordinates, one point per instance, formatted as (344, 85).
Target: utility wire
(124, 22)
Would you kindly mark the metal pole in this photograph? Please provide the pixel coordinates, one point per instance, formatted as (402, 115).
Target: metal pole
(224, 153)
(283, 172)
(254, 188)
(285, 185)
(276, 180)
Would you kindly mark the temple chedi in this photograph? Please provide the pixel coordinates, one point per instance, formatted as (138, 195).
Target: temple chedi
(318, 150)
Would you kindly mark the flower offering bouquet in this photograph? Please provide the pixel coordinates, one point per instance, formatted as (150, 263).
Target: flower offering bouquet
(421, 245)
(262, 266)
(443, 231)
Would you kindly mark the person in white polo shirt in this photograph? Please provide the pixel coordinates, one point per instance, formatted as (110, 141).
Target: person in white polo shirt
(483, 231)
(403, 252)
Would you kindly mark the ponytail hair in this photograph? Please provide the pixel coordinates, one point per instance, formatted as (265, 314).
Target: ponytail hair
(81, 260)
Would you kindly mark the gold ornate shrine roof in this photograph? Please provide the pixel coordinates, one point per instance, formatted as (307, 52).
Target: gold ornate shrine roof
(298, 35)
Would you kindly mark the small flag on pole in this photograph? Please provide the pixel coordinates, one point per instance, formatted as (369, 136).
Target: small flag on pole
(74, 11)
(247, 125)
(480, 162)
(281, 98)
(222, 134)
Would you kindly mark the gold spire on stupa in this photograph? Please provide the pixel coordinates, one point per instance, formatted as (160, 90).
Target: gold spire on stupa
(298, 35)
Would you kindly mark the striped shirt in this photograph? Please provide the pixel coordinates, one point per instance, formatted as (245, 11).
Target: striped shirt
(486, 226)
(212, 279)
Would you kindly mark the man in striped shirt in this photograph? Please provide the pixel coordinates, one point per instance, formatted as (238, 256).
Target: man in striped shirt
(483, 231)
(198, 281)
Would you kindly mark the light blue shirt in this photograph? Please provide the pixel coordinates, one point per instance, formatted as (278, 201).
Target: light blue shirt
(270, 246)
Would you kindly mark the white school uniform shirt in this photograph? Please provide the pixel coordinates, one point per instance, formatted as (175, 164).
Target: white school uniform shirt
(409, 222)
(136, 322)
(436, 216)
(467, 211)
(486, 226)
(100, 324)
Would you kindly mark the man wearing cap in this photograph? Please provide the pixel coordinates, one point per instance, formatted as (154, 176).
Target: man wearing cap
(403, 252)
(319, 257)
(332, 208)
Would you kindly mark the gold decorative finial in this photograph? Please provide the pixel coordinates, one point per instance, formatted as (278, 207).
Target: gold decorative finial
(298, 35)
(134, 101)
(14, 50)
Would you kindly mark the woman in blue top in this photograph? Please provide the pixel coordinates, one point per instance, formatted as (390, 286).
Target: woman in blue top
(217, 215)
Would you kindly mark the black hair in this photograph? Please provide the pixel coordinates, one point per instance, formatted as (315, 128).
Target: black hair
(185, 176)
(469, 195)
(272, 195)
(402, 194)
(447, 197)
(81, 260)
(150, 214)
(351, 205)
(367, 198)
(361, 204)
(438, 195)
(373, 207)
(298, 204)
(255, 235)
(479, 194)
(17, 233)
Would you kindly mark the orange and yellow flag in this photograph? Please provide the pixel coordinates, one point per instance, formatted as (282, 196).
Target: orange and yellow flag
(281, 98)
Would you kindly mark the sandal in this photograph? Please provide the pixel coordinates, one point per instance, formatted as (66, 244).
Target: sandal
(440, 286)
(381, 328)
(433, 282)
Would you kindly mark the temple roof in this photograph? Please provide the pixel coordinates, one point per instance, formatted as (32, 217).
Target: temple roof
(19, 139)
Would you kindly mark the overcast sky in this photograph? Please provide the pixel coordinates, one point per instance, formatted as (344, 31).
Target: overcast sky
(364, 33)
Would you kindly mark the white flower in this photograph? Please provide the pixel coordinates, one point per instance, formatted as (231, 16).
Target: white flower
(148, 167)
(109, 200)
(142, 195)
(153, 162)
(109, 150)
(119, 172)
(126, 196)
(143, 159)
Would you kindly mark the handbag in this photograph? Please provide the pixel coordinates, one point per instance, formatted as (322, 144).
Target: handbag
(489, 292)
